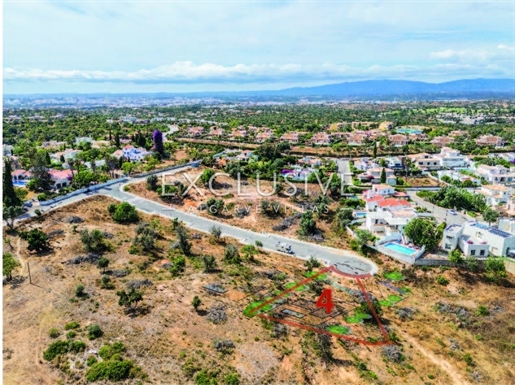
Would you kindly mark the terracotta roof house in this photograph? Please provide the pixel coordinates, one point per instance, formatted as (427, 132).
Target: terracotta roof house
(195, 131)
(321, 139)
(442, 141)
(490, 140)
(264, 136)
(398, 140)
(290, 137)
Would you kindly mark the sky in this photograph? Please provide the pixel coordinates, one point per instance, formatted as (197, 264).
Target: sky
(88, 46)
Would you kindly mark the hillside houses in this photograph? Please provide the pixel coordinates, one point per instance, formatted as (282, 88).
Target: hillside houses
(321, 139)
(195, 132)
(290, 137)
(398, 140)
(442, 141)
(495, 174)
(490, 140)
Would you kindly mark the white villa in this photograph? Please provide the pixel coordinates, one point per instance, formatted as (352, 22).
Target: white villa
(135, 154)
(495, 194)
(495, 174)
(480, 240)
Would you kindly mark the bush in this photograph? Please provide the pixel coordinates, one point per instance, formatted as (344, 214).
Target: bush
(442, 280)
(205, 378)
(72, 325)
(94, 332)
(259, 243)
(482, 310)
(110, 370)
(232, 379)
(62, 347)
(108, 351)
(231, 255)
(79, 290)
(91, 360)
(71, 334)
(54, 333)
(124, 213)
(468, 359)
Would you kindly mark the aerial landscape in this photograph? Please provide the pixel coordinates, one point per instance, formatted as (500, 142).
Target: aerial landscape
(276, 192)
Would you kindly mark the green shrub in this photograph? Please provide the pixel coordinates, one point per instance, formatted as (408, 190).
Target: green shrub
(91, 360)
(79, 290)
(442, 280)
(482, 310)
(108, 351)
(232, 379)
(110, 370)
(205, 378)
(54, 333)
(71, 334)
(72, 325)
(62, 347)
(468, 359)
(259, 243)
(94, 332)
(124, 213)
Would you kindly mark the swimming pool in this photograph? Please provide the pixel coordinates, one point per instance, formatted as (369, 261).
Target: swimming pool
(408, 131)
(399, 248)
(360, 214)
(20, 183)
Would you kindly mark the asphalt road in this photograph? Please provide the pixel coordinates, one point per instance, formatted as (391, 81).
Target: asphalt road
(344, 169)
(348, 262)
(441, 214)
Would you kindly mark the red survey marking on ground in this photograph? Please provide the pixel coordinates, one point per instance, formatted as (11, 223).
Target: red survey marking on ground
(316, 330)
(325, 301)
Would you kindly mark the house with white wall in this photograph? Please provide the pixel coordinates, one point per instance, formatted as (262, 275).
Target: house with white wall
(495, 174)
(135, 154)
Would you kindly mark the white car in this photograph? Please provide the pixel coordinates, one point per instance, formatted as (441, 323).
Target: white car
(452, 212)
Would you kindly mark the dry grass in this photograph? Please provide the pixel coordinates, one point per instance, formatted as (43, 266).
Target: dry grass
(170, 335)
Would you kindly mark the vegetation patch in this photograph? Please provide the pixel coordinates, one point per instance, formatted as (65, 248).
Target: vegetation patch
(338, 329)
(394, 276)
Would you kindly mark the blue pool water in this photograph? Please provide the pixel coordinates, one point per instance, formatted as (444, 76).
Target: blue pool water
(360, 214)
(408, 131)
(20, 183)
(400, 248)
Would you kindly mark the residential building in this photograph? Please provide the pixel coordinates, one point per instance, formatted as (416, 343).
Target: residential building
(264, 136)
(398, 140)
(458, 133)
(451, 158)
(495, 174)
(417, 136)
(310, 161)
(216, 132)
(490, 140)
(480, 240)
(239, 133)
(390, 219)
(356, 139)
(8, 149)
(374, 174)
(456, 175)
(67, 154)
(195, 132)
(135, 154)
(426, 161)
(18, 175)
(382, 190)
(83, 139)
(98, 163)
(393, 162)
(61, 178)
(321, 139)
(442, 141)
(290, 137)
(245, 155)
(100, 143)
(52, 144)
(380, 202)
(496, 194)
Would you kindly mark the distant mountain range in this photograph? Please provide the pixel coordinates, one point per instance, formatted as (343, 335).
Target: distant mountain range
(403, 88)
(387, 90)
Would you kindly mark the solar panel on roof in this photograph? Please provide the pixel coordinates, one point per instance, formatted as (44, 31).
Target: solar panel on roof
(500, 233)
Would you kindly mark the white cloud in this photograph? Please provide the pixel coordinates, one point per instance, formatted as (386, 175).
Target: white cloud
(501, 52)
(190, 73)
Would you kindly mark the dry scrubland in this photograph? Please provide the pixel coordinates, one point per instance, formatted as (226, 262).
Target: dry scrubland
(256, 219)
(174, 344)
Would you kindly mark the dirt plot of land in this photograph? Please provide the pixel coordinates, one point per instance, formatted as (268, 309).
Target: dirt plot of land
(436, 326)
(247, 198)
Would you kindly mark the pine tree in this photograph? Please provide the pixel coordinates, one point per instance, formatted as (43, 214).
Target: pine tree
(117, 140)
(10, 198)
(383, 175)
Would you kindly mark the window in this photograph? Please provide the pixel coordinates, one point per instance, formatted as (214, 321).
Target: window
(472, 252)
(482, 252)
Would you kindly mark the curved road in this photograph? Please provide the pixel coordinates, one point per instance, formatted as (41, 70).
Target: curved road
(347, 262)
